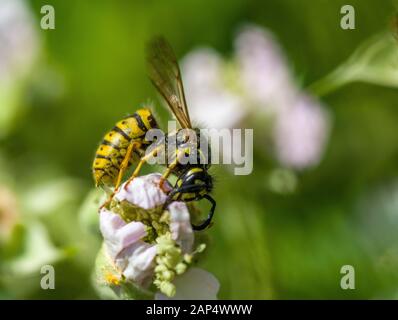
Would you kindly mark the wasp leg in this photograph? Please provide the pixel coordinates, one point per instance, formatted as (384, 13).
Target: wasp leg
(206, 223)
(170, 169)
(123, 167)
(173, 192)
(140, 164)
(125, 163)
(169, 198)
(195, 188)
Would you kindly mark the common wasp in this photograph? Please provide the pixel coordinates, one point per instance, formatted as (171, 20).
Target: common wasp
(126, 143)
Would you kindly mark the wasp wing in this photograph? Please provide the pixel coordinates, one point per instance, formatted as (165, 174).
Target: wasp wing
(165, 74)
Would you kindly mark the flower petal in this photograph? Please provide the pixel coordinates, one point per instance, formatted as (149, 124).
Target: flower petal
(19, 40)
(180, 226)
(259, 55)
(137, 262)
(195, 284)
(301, 133)
(211, 101)
(144, 191)
(117, 233)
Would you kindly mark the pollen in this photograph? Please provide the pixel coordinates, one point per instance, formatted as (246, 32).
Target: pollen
(111, 279)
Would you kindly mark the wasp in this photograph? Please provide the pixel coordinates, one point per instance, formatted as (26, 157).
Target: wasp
(125, 144)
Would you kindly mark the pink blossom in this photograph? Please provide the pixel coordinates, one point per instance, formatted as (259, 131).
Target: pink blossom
(211, 103)
(19, 42)
(264, 72)
(301, 132)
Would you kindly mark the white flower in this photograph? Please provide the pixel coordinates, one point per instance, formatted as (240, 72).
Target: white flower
(119, 234)
(202, 69)
(260, 84)
(211, 103)
(144, 192)
(195, 284)
(180, 226)
(19, 42)
(124, 243)
(137, 262)
(301, 132)
(263, 70)
(301, 124)
(133, 257)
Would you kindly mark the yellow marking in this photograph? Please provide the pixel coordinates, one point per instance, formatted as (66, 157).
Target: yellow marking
(100, 163)
(104, 171)
(116, 138)
(105, 150)
(145, 114)
(188, 196)
(103, 177)
(193, 170)
(98, 175)
(130, 127)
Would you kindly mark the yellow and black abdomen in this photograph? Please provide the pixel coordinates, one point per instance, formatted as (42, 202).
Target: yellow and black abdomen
(113, 147)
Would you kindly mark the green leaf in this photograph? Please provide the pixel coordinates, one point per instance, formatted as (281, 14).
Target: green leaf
(375, 62)
(48, 196)
(32, 250)
(88, 212)
(10, 107)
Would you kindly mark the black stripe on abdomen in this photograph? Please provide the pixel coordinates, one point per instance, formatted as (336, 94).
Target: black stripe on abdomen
(152, 122)
(103, 157)
(124, 134)
(110, 144)
(140, 123)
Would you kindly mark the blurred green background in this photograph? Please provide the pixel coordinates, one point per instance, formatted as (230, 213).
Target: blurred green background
(267, 242)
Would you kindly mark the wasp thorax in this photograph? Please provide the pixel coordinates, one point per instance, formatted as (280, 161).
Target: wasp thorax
(192, 148)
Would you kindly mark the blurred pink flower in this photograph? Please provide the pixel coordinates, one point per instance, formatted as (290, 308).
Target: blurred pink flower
(301, 132)
(263, 69)
(211, 103)
(263, 87)
(19, 41)
(133, 257)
